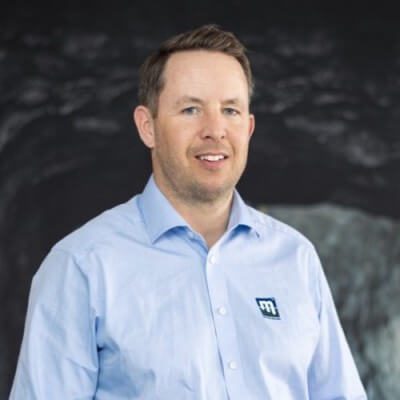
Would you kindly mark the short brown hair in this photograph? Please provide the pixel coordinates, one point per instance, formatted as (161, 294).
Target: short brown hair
(207, 37)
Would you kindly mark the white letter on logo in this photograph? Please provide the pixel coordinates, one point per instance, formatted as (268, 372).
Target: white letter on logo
(268, 306)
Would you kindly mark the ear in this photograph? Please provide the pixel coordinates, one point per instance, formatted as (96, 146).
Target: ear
(252, 125)
(145, 125)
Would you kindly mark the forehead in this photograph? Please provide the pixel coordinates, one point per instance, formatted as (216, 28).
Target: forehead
(204, 73)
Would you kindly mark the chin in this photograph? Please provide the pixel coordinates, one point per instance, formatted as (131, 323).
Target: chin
(211, 192)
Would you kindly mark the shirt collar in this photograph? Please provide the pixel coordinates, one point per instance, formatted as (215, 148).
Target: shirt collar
(241, 215)
(160, 216)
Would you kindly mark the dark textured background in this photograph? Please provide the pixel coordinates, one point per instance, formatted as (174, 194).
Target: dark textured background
(326, 103)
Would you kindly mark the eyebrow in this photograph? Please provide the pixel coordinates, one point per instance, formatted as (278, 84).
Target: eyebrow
(188, 99)
(196, 100)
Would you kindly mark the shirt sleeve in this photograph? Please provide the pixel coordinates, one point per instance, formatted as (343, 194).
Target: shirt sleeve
(58, 357)
(333, 374)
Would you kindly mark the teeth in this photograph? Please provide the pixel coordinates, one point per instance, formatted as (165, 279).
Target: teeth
(212, 158)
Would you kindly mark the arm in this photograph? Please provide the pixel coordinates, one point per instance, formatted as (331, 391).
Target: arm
(58, 357)
(333, 374)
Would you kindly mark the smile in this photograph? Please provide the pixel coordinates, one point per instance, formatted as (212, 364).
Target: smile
(212, 162)
(212, 157)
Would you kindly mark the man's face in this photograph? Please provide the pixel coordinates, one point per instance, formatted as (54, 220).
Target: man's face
(203, 126)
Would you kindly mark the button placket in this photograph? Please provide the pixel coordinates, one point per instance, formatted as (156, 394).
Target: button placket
(224, 324)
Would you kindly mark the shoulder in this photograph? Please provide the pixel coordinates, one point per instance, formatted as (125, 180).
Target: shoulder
(77, 262)
(271, 227)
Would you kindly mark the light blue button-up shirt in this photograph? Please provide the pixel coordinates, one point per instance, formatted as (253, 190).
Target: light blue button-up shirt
(133, 305)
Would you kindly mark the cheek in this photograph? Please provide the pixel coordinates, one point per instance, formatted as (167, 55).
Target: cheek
(240, 141)
(180, 141)
(175, 147)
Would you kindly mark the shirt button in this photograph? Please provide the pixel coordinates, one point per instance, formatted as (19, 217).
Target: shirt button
(212, 259)
(232, 365)
(191, 235)
(222, 310)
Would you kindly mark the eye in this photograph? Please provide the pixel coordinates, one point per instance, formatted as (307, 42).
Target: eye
(191, 110)
(231, 111)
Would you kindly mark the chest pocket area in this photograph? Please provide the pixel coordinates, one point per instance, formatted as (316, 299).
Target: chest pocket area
(290, 331)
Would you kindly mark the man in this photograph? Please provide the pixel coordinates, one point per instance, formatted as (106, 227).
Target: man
(184, 292)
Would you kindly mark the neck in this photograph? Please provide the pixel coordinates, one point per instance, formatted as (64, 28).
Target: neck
(209, 219)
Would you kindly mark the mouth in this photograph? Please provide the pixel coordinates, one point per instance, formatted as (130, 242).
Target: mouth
(212, 161)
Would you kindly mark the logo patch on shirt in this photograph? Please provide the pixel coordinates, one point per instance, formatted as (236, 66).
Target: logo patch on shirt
(268, 307)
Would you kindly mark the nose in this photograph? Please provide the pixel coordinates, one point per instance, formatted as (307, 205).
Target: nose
(214, 126)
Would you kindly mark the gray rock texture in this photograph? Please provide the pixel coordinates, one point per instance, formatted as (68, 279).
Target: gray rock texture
(361, 257)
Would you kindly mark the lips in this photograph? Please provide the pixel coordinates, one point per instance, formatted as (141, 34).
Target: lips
(212, 161)
(211, 157)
